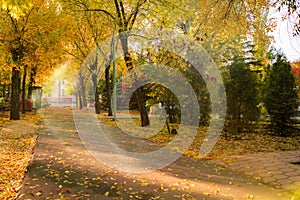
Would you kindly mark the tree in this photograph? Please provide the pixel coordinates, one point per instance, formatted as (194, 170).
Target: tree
(5, 74)
(211, 27)
(281, 95)
(242, 96)
(296, 71)
(31, 33)
(15, 24)
(124, 19)
(90, 28)
(291, 9)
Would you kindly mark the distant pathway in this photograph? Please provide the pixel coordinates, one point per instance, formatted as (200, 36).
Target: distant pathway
(63, 169)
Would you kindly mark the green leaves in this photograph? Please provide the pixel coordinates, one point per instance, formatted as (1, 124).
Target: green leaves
(242, 96)
(281, 95)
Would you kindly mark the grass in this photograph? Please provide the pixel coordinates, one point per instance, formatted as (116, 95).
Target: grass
(15, 153)
(242, 143)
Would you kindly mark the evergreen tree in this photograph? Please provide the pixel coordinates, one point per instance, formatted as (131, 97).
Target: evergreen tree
(281, 96)
(242, 96)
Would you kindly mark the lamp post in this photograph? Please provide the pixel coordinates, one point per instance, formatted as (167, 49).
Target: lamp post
(114, 76)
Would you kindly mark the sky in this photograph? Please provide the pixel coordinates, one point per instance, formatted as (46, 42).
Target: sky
(284, 39)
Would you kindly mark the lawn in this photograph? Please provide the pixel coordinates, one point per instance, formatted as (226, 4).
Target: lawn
(237, 144)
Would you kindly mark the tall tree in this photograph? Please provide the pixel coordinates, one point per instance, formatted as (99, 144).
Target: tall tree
(281, 95)
(296, 71)
(90, 28)
(242, 96)
(124, 17)
(16, 18)
(212, 23)
(32, 32)
(291, 11)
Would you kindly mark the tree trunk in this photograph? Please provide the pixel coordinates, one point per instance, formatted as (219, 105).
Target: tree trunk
(79, 98)
(140, 97)
(108, 91)
(96, 89)
(31, 82)
(3, 90)
(167, 124)
(97, 101)
(82, 91)
(142, 107)
(83, 95)
(15, 91)
(93, 69)
(23, 90)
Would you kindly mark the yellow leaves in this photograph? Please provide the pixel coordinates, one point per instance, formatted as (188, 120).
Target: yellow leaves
(248, 143)
(296, 194)
(249, 196)
(138, 197)
(207, 193)
(15, 153)
(16, 8)
(106, 194)
(144, 184)
(113, 187)
(173, 188)
(154, 198)
(65, 143)
(257, 177)
(39, 193)
(185, 197)
(4, 122)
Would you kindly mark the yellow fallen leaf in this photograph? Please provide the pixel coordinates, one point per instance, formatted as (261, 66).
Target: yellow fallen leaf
(144, 184)
(38, 193)
(106, 194)
(65, 143)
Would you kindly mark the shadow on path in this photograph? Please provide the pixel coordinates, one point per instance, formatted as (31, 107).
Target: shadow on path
(62, 168)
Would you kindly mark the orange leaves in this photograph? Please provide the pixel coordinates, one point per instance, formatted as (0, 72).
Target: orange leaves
(15, 154)
(16, 145)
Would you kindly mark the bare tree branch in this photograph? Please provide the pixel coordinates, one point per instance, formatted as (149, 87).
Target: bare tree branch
(120, 21)
(12, 20)
(76, 57)
(123, 13)
(134, 14)
(101, 10)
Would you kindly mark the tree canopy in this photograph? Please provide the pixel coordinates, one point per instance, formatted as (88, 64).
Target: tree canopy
(38, 36)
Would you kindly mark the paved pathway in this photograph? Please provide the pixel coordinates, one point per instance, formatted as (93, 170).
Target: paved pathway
(63, 169)
(281, 169)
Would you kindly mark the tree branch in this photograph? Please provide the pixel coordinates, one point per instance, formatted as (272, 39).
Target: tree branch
(134, 14)
(81, 51)
(101, 10)
(123, 14)
(26, 20)
(228, 10)
(120, 22)
(13, 21)
(76, 57)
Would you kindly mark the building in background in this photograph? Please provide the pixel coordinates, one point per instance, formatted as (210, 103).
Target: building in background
(59, 96)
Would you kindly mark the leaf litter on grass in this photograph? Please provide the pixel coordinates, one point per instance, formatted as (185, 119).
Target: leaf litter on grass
(243, 143)
(16, 144)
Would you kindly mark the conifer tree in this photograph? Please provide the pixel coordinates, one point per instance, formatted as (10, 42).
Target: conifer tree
(281, 96)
